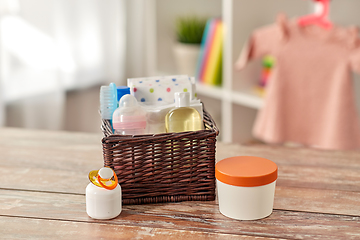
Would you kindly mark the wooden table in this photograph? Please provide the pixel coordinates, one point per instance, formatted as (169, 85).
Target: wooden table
(44, 175)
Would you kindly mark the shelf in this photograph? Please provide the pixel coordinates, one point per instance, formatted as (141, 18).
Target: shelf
(230, 103)
(209, 91)
(247, 99)
(244, 98)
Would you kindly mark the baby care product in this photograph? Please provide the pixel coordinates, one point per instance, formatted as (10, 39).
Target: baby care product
(155, 115)
(183, 118)
(103, 194)
(246, 187)
(160, 90)
(129, 118)
(121, 91)
(108, 100)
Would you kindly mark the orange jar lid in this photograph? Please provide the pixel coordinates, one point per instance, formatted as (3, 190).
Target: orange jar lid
(246, 171)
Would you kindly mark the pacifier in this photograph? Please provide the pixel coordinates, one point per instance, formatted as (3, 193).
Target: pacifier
(100, 202)
(104, 178)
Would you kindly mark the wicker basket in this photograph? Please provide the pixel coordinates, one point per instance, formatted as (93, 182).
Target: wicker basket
(167, 167)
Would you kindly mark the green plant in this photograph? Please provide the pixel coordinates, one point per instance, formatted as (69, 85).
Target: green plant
(190, 29)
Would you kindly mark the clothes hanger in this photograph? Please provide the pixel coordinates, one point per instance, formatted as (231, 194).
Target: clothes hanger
(320, 19)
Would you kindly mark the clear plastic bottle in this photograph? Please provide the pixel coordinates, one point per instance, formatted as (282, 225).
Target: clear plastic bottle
(129, 118)
(183, 118)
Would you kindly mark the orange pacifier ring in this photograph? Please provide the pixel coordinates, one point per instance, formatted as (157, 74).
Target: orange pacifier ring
(109, 187)
(97, 180)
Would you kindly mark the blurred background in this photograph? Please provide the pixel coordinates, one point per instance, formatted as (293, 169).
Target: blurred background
(55, 55)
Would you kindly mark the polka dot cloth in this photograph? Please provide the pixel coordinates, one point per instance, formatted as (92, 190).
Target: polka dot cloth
(160, 90)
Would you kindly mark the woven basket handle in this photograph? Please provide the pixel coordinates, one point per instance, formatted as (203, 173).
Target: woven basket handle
(209, 121)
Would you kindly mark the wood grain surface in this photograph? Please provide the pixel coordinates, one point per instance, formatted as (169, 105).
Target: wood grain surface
(45, 176)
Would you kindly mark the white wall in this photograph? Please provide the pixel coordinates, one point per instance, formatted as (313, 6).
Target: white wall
(35, 37)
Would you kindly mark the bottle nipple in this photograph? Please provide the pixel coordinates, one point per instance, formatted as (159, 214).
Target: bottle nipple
(128, 101)
(104, 178)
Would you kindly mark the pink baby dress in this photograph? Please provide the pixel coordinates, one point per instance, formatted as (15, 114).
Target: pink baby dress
(309, 97)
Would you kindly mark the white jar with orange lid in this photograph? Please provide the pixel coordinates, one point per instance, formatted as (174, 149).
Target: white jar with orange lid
(246, 187)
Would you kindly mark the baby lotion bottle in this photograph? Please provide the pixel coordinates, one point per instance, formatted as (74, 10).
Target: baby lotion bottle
(129, 118)
(183, 118)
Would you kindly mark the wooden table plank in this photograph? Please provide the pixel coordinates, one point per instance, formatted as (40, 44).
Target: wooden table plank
(187, 216)
(319, 177)
(288, 198)
(54, 144)
(48, 180)
(49, 149)
(317, 194)
(293, 156)
(56, 229)
(73, 180)
(317, 200)
(27, 137)
(73, 156)
(34, 177)
(59, 143)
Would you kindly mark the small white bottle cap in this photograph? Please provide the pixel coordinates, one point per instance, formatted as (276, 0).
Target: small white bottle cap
(106, 173)
(182, 99)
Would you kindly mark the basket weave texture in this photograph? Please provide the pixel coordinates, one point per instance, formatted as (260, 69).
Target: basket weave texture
(167, 167)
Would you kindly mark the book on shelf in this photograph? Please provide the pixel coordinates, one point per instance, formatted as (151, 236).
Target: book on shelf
(209, 69)
(204, 47)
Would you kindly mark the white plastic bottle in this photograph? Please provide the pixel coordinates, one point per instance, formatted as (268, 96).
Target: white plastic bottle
(103, 201)
(183, 118)
(129, 118)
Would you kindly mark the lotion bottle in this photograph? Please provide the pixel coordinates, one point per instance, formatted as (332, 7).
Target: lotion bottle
(183, 118)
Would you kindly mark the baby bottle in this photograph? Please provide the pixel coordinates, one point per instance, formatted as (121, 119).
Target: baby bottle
(129, 118)
(103, 194)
